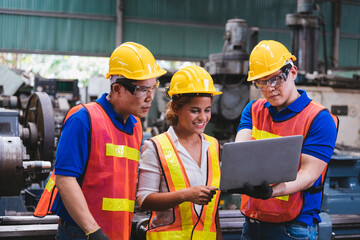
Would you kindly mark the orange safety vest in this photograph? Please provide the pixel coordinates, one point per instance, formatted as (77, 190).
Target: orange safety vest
(187, 224)
(283, 208)
(109, 182)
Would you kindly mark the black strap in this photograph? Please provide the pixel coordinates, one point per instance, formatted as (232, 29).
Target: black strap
(313, 189)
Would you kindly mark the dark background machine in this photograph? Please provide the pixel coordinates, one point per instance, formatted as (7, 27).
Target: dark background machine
(30, 123)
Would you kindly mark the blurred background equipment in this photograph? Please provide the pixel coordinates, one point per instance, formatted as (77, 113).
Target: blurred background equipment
(30, 123)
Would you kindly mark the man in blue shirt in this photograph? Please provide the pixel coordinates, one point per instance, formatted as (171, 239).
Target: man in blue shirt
(97, 154)
(286, 210)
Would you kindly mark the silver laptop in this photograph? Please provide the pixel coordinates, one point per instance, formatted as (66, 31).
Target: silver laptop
(274, 160)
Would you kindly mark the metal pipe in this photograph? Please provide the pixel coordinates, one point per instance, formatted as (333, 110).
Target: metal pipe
(119, 21)
(57, 14)
(22, 220)
(8, 101)
(37, 166)
(336, 32)
(305, 6)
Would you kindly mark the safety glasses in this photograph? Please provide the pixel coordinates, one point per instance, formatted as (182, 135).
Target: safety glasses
(275, 81)
(141, 91)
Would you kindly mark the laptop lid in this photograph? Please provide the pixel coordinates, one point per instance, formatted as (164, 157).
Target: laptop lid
(274, 160)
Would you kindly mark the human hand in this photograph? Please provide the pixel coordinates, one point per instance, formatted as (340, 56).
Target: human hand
(263, 191)
(201, 195)
(97, 235)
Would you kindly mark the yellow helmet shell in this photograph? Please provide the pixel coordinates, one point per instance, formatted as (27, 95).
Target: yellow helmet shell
(133, 61)
(192, 79)
(267, 57)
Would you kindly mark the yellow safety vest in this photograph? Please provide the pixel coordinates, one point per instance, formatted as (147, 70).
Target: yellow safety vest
(187, 224)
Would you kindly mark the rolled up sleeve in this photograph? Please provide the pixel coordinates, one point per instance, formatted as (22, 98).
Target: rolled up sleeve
(149, 172)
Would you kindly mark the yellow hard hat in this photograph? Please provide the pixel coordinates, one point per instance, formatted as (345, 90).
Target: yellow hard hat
(192, 79)
(133, 61)
(267, 57)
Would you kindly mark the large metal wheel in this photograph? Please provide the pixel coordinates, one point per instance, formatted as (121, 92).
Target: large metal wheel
(12, 153)
(39, 119)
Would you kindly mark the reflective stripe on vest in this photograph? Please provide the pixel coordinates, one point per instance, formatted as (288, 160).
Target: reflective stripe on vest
(112, 204)
(208, 219)
(122, 151)
(284, 208)
(186, 225)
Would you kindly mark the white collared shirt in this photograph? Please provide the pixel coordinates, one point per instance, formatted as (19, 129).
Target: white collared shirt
(151, 178)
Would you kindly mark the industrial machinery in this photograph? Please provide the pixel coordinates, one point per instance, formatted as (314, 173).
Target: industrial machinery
(27, 139)
(30, 123)
(28, 134)
(229, 71)
(27, 146)
(64, 94)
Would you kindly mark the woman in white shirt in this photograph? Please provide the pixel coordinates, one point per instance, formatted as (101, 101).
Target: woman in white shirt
(179, 170)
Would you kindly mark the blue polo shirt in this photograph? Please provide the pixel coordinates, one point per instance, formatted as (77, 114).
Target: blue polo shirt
(73, 148)
(319, 143)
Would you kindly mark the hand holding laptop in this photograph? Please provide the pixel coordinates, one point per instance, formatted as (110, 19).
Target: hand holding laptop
(273, 160)
(263, 191)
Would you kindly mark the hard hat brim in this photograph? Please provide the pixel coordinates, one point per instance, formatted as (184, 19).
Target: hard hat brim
(213, 93)
(144, 77)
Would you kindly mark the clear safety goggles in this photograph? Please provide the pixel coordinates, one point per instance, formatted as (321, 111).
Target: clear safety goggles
(275, 81)
(141, 91)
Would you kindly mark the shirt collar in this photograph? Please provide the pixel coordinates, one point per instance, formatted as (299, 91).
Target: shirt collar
(175, 138)
(299, 104)
(112, 114)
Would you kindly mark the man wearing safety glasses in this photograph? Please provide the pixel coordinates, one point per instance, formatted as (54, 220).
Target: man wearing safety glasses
(98, 152)
(137, 91)
(288, 210)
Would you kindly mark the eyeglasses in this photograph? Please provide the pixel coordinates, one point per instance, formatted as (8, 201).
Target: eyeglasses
(140, 91)
(275, 81)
